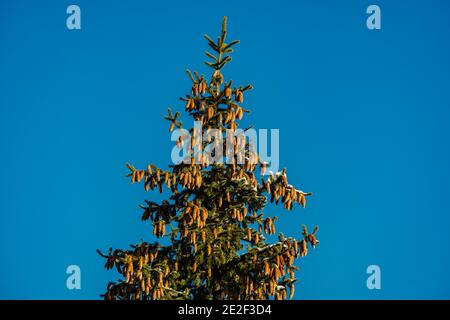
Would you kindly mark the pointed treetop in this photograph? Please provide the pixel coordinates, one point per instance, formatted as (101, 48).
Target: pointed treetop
(224, 24)
(220, 47)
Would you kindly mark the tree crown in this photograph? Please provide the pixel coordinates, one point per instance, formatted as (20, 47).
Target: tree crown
(214, 218)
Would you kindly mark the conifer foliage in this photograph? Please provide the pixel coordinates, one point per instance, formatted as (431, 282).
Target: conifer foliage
(218, 244)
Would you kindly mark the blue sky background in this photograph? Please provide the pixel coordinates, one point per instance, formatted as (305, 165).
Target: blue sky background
(372, 109)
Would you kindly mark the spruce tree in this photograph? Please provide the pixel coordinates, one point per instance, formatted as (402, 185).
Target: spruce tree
(218, 244)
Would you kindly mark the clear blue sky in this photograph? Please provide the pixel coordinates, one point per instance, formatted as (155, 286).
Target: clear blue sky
(371, 108)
